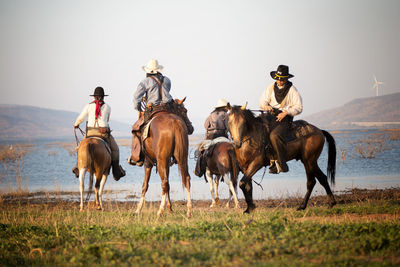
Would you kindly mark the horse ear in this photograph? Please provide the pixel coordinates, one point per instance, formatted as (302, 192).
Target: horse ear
(228, 106)
(180, 101)
(244, 106)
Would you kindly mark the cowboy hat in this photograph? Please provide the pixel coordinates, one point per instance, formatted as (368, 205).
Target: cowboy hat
(99, 91)
(152, 67)
(282, 73)
(221, 103)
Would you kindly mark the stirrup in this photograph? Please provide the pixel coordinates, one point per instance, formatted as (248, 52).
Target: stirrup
(75, 171)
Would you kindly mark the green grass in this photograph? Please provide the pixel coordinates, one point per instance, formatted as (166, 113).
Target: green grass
(356, 233)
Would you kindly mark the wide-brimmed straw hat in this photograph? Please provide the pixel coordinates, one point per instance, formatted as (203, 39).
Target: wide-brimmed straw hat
(99, 91)
(152, 67)
(281, 74)
(221, 103)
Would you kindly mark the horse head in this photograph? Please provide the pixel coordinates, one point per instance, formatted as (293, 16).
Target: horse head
(182, 112)
(237, 124)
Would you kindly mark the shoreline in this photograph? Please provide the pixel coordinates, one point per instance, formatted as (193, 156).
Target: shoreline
(342, 197)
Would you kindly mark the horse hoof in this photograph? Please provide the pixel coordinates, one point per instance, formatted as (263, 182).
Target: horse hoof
(332, 204)
(81, 210)
(301, 208)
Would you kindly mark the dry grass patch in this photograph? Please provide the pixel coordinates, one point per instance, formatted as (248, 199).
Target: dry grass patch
(351, 218)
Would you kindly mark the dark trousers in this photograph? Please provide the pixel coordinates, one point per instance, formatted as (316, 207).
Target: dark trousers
(278, 138)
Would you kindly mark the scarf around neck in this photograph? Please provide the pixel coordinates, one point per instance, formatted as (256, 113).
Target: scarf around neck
(98, 103)
(281, 93)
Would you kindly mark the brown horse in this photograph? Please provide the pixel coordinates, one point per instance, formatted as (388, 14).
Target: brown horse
(167, 143)
(94, 157)
(222, 163)
(251, 139)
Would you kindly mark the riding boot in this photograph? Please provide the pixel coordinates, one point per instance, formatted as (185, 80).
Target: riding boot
(117, 170)
(273, 169)
(137, 157)
(75, 171)
(200, 164)
(279, 145)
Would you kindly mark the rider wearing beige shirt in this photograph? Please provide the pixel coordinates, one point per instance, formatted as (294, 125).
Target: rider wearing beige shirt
(283, 101)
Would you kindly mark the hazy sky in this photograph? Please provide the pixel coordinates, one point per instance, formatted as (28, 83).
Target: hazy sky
(54, 53)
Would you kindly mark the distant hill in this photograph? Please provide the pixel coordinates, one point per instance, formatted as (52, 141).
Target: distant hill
(373, 112)
(27, 122)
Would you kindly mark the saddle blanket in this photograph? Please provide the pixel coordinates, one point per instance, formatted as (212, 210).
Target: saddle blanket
(105, 143)
(207, 143)
(146, 129)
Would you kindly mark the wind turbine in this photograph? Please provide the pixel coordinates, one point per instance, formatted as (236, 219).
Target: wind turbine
(376, 85)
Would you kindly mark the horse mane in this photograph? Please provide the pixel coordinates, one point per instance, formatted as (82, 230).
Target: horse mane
(250, 118)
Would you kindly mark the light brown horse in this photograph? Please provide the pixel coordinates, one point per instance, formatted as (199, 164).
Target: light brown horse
(222, 163)
(167, 143)
(95, 158)
(251, 139)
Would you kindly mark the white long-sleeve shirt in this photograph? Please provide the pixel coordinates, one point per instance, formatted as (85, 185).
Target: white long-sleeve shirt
(293, 104)
(89, 111)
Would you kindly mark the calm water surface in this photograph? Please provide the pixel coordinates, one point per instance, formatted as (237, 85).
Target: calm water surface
(47, 167)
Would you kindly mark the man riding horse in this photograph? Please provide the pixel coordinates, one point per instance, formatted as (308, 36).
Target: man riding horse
(98, 113)
(282, 100)
(216, 125)
(152, 96)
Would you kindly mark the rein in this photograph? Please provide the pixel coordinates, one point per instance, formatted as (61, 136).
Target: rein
(76, 137)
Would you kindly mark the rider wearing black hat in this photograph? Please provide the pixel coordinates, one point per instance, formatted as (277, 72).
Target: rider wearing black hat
(98, 114)
(284, 101)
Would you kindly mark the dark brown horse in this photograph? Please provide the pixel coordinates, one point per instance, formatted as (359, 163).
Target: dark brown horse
(167, 143)
(250, 138)
(222, 163)
(95, 158)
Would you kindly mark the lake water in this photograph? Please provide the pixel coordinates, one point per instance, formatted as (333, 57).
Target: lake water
(47, 167)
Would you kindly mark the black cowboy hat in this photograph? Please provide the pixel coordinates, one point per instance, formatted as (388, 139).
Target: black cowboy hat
(99, 91)
(282, 73)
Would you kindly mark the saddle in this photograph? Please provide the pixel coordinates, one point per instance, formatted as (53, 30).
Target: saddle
(297, 129)
(102, 133)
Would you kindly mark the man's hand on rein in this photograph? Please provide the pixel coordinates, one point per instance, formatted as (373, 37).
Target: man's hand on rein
(281, 115)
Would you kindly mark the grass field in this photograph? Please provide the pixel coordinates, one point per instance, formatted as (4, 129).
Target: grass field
(363, 229)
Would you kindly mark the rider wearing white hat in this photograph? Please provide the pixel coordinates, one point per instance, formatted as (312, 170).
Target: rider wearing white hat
(216, 123)
(216, 126)
(154, 89)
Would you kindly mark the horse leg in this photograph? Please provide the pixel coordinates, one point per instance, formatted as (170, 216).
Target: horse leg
(310, 186)
(211, 184)
(163, 170)
(96, 191)
(232, 191)
(216, 184)
(145, 186)
(186, 178)
(102, 183)
(247, 188)
(82, 173)
(323, 180)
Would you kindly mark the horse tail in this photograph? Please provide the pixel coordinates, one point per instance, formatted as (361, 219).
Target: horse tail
(181, 153)
(90, 158)
(234, 165)
(331, 169)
